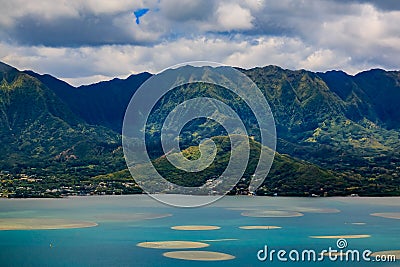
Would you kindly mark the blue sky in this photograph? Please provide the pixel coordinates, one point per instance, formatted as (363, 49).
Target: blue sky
(84, 41)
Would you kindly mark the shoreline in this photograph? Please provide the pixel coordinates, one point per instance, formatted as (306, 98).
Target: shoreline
(241, 196)
(16, 224)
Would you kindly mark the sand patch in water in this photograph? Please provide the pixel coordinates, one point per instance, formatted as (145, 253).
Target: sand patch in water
(122, 217)
(271, 214)
(195, 227)
(42, 224)
(172, 244)
(199, 255)
(388, 215)
(315, 210)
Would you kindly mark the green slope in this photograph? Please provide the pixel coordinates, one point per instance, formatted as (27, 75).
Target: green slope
(42, 137)
(103, 103)
(346, 125)
(288, 176)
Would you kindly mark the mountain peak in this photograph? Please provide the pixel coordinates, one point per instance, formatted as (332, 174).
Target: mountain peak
(5, 67)
(375, 71)
(335, 72)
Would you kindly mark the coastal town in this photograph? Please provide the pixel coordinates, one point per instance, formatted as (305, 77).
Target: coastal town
(32, 186)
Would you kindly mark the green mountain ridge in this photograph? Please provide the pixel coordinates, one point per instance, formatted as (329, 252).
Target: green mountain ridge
(42, 137)
(102, 103)
(287, 177)
(344, 128)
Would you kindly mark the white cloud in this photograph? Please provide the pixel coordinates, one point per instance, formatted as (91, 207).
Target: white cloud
(322, 60)
(89, 64)
(369, 37)
(47, 9)
(231, 16)
(110, 7)
(317, 35)
(50, 9)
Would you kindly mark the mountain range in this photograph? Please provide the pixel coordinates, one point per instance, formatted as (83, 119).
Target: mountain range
(338, 134)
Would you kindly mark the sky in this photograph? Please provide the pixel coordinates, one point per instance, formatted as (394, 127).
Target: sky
(85, 41)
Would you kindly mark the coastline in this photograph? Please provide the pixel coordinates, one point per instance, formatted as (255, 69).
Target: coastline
(241, 196)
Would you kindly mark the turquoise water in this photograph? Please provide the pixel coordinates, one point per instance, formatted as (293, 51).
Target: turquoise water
(125, 221)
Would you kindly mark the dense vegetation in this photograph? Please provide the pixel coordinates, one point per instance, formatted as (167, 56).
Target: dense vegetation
(337, 134)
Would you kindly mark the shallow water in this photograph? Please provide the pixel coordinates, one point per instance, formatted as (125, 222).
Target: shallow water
(125, 221)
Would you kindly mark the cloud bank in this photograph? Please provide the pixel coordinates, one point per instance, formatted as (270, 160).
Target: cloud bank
(83, 41)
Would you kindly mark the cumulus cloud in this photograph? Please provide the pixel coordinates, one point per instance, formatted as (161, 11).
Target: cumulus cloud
(232, 16)
(106, 62)
(74, 23)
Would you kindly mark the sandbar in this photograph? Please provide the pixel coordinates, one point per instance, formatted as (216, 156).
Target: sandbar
(131, 217)
(386, 253)
(199, 255)
(388, 215)
(195, 227)
(272, 213)
(340, 236)
(259, 227)
(315, 210)
(42, 224)
(172, 244)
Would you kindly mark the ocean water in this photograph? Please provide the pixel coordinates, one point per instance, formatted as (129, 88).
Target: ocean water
(125, 221)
